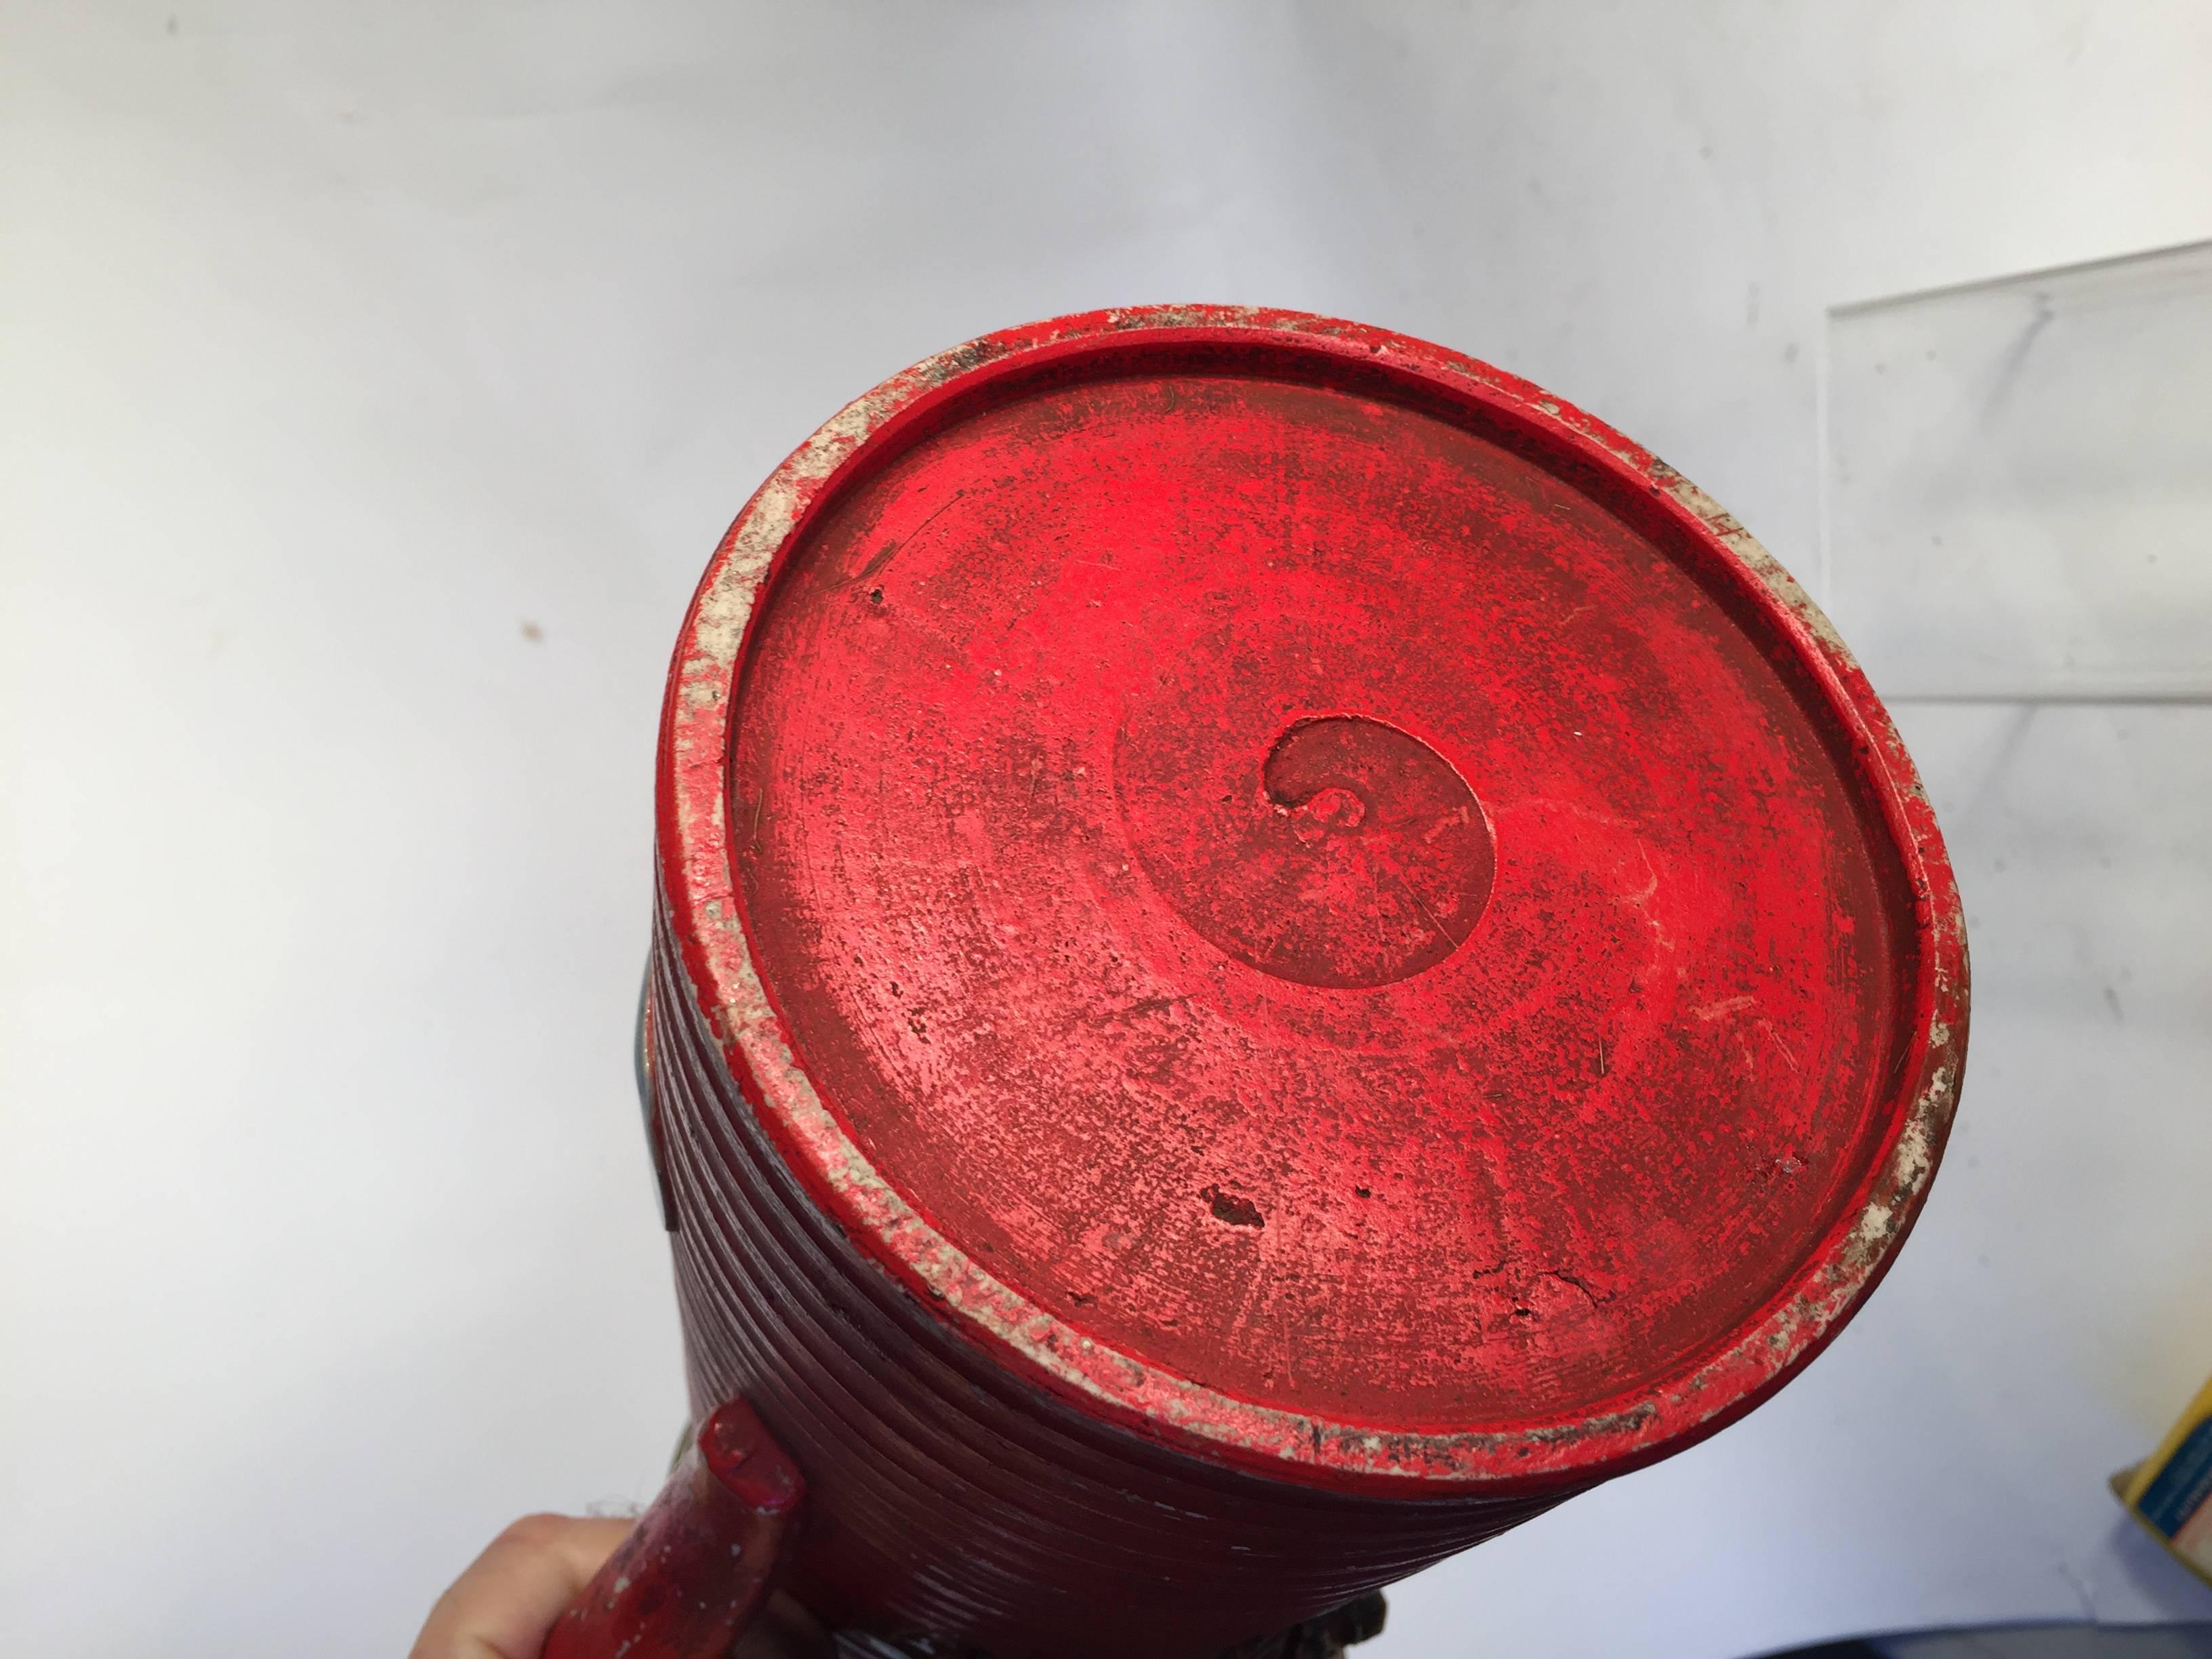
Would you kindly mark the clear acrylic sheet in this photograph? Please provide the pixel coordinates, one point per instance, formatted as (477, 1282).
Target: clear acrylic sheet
(2019, 483)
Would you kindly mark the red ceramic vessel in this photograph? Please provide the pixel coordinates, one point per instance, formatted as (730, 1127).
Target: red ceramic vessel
(1275, 950)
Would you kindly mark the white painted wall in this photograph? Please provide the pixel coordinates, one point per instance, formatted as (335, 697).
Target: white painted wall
(337, 344)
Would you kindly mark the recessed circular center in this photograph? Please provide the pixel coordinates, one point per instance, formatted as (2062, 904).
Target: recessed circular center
(1098, 794)
(1346, 853)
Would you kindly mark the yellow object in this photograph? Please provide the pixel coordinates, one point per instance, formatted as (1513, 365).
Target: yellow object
(2170, 1490)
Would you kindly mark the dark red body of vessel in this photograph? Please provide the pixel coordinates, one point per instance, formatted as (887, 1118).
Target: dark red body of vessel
(1275, 950)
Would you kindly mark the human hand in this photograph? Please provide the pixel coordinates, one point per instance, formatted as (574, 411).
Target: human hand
(509, 1599)
(504, 1604)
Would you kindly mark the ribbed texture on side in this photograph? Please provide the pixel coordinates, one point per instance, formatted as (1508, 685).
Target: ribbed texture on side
(947, 1497)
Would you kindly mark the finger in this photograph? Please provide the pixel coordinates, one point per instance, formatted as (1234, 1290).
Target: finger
(504, 1604)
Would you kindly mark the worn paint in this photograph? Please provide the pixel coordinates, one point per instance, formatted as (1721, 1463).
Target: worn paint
(1482, 1425)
